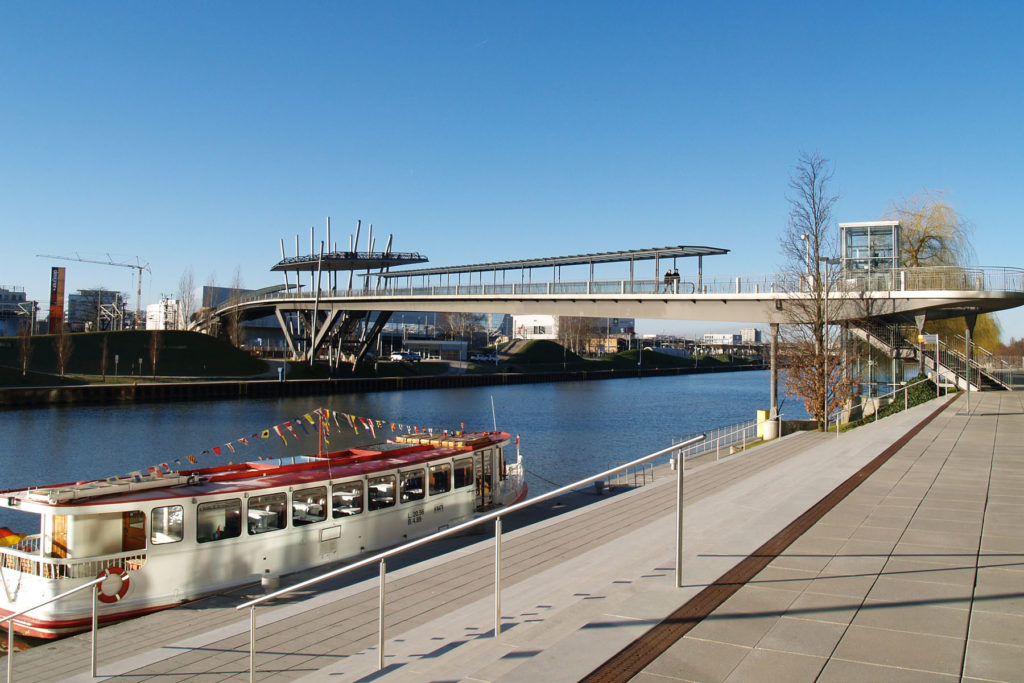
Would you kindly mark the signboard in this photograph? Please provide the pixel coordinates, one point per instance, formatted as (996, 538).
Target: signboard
(927, 339)
(56, 299)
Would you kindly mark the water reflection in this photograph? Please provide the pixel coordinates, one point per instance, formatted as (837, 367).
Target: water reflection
(569, 430)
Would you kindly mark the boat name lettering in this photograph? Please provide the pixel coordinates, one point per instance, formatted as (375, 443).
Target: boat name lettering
(439, 507)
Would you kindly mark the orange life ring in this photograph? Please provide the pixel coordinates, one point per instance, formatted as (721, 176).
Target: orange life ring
(120, 573)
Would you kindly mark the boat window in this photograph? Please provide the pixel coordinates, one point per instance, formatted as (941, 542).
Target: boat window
(267, 513)
(463, 473)
(347, 498)
(168, 524)
(440, 478)
(382, 492)
(412, 485)
(309, 505)
(133, 530)
(218, 520)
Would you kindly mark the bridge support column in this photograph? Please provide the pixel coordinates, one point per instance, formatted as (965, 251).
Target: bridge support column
(323, 332)
(287, 333)
(771, 428)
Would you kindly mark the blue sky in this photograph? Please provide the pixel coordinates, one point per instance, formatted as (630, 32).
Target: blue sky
(200, 134)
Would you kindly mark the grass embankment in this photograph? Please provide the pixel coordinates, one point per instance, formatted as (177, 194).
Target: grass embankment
(128, 358)
(184, 356)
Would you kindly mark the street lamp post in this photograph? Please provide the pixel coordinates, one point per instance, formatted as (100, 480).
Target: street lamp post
(824, 342)
(807, 255)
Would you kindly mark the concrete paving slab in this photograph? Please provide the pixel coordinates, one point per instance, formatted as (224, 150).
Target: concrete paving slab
(769, 665)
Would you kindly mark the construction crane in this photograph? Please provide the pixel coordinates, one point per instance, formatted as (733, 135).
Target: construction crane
(138, 265)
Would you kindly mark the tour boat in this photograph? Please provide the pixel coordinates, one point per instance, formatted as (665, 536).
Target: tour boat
(161, 539)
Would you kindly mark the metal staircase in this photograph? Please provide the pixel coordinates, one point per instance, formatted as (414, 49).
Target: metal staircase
(953, 367)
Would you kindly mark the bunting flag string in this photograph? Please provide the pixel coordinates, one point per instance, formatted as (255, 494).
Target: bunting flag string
(320, 419)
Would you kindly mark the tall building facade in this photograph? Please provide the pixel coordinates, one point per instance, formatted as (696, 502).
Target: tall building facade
(96, 309)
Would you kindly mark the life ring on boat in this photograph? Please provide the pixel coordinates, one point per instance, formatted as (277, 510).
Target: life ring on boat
(121, 574)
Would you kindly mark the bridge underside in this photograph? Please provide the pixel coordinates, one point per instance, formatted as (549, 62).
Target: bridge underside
(345, 324)
(755, 308)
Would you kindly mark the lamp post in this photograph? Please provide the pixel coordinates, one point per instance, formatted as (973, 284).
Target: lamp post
(824, 342)
(807, 255)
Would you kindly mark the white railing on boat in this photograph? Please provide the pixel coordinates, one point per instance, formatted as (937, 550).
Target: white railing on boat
(25, 557)
(496, 516)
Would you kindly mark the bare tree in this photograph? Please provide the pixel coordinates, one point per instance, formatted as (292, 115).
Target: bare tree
(103, 357)
(931, 232)
(934, 235)
(574, 332)
(460, 325)
(25, 345)
(155, 343)
(814, 365)
(62, 347)
(233, 318)
(186, 296)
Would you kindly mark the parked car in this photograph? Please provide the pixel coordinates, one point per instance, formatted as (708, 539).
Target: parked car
(410, 356)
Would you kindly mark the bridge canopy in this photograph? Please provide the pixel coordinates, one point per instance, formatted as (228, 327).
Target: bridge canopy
(349, 260)
(554, 261)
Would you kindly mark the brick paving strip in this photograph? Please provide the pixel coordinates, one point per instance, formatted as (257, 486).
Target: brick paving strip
(632, 659)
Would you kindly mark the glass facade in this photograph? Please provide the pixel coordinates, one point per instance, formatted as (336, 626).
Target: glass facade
(870, 247)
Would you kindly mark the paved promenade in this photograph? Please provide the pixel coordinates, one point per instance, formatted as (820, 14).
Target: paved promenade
(918, 574)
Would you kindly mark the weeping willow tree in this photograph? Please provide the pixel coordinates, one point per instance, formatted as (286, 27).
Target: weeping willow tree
(933, 234)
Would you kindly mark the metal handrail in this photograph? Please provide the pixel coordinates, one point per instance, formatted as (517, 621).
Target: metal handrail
(945, 278)
(906, 402)
(495, 515)
(738, 428)
(94, 584)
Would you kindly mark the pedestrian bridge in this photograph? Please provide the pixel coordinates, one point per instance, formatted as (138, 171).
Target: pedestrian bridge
(353, 316)
(895, 296)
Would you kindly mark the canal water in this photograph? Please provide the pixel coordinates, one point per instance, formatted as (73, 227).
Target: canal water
(568, 430)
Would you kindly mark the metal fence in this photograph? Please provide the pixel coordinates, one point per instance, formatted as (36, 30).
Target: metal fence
(726, 438)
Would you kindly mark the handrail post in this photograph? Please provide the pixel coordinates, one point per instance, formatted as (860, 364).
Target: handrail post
(95, 600)
(252, 643)
(10, 650)
(497, 576)
(680, 466)
(380, 618)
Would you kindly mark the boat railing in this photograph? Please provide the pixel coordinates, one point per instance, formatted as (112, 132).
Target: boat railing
(33, 563)
(495, 516)
(513, 477)
(94, 585)
(727, 437)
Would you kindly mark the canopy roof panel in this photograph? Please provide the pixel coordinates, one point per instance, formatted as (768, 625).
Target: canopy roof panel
(580, 259)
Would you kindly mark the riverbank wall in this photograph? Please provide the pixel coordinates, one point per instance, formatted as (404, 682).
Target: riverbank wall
(147, 392)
